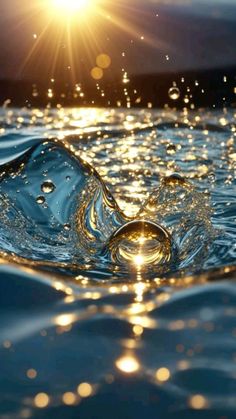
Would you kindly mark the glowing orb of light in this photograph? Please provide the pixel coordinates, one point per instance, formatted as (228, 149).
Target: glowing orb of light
(70, 6)
(128, 364)
(140, 243)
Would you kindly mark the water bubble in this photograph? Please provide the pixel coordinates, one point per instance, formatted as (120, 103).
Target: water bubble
(174, 93)
(40, 200)
(67, 227)
(48, 187)
(140, 243)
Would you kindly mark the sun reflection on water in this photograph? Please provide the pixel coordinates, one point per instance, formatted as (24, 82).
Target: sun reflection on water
(128, 364)
(126, 172)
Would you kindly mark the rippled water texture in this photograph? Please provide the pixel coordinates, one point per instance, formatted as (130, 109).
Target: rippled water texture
(117, 251)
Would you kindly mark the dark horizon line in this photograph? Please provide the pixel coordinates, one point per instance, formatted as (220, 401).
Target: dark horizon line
(200, 71)
(203, 88)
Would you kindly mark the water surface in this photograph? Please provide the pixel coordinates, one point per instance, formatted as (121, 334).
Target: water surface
(118, 246)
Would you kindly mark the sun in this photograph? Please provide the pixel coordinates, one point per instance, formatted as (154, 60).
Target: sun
(71, 6)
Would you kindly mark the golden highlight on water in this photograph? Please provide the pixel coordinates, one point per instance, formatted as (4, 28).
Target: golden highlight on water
(140, 243)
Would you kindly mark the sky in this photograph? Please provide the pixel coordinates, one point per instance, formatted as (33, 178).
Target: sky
(141, 37)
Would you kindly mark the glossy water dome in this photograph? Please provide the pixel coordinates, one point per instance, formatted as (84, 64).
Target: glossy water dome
(140, 243)
(117, 264)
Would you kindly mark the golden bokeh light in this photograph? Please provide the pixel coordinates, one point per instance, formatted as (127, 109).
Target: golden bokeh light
(103, 61)
(198, 402)
(138, 330)
(97, 73)
(163, 374)
(69, 398)
(41, 400)
(31, 373)
(128, 364)
(65, 319)
(85, 390)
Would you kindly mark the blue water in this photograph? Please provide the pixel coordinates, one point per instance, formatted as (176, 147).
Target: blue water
(118, 249)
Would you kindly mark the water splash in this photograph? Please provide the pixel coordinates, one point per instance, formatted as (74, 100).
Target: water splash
(185, 213)
(156, 336)
(75, 195)
(56, 208)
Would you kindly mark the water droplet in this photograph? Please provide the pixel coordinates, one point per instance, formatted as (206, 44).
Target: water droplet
(48, 187)
(40, 200)
(174, 93)
(140, 243)
(67, 227)
(171, 149)
(174, 179)
(211, 177)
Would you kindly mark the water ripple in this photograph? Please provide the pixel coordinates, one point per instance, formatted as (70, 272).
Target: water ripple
(117, 264)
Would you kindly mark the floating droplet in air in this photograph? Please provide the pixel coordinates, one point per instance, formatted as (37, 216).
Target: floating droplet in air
(174, 93)
(171, 149)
